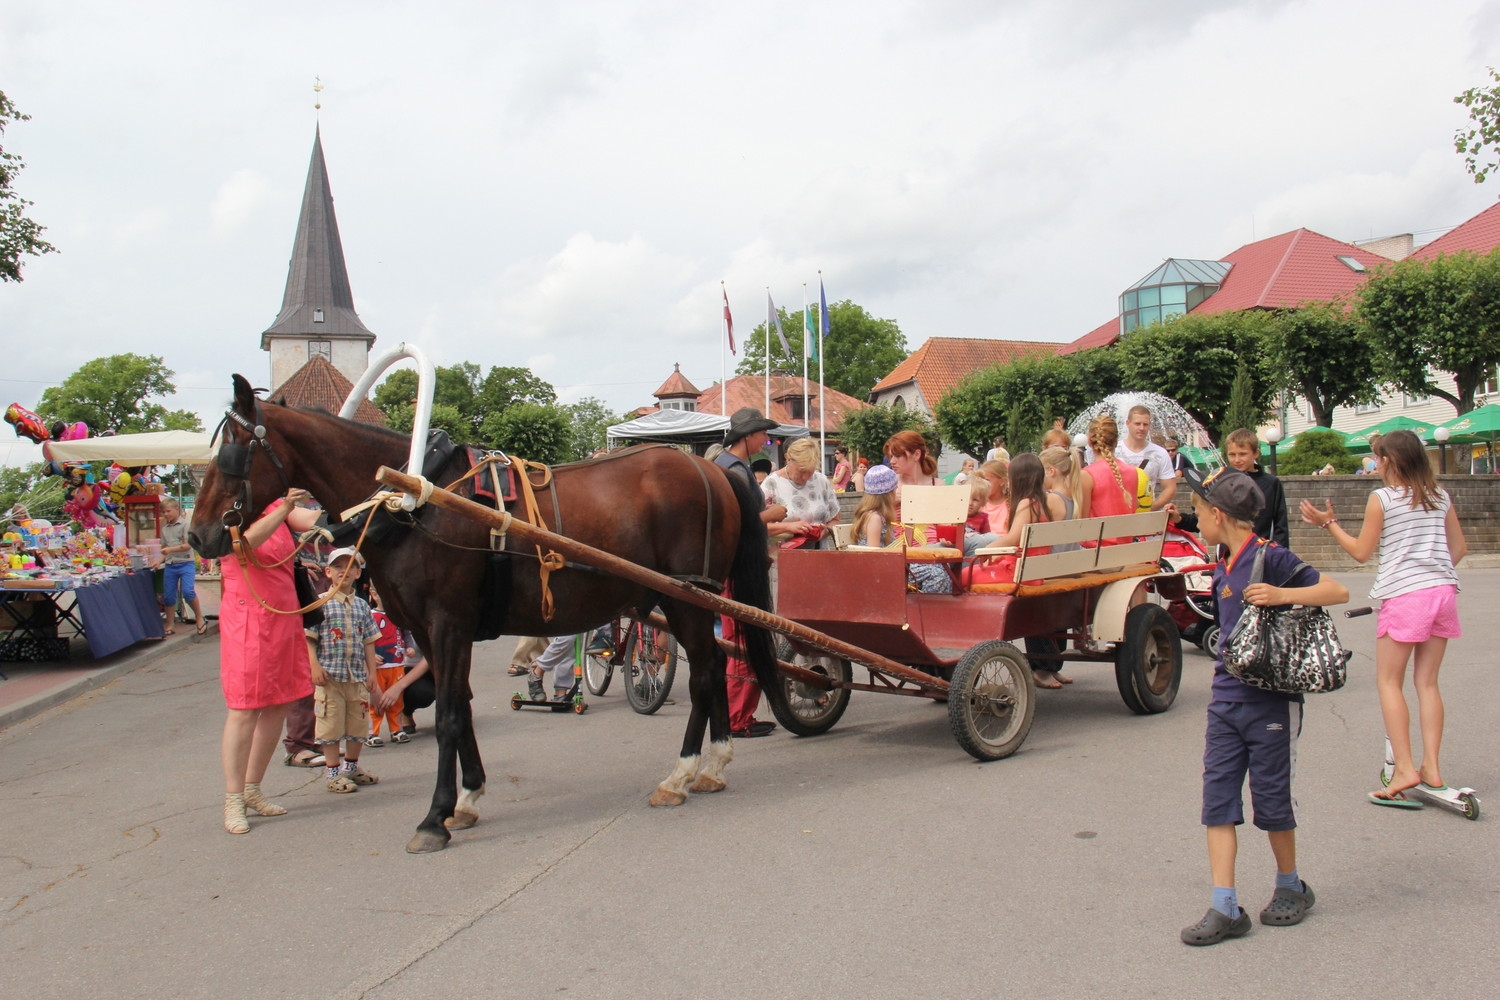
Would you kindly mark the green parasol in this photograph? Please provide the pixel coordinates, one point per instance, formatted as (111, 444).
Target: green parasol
(1481, 424)
(1360, 440)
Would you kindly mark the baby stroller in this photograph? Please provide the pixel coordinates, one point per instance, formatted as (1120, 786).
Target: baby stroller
(1195, 616)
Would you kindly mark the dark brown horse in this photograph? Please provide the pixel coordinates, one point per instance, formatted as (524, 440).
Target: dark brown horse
(653, 506)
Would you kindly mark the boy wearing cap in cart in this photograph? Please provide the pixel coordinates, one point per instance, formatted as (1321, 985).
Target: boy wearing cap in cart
(1250, 730)
(341, 651)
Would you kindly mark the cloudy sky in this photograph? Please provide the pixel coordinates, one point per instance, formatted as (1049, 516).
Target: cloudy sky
(563, 186)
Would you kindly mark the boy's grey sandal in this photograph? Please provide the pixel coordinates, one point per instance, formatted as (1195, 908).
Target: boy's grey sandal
(1215, 927)
(1288, 906)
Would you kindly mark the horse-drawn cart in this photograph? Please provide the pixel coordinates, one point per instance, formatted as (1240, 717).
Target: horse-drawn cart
(839, 608)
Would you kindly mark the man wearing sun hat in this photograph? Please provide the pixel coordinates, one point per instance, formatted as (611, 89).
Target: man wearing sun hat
(746, 436)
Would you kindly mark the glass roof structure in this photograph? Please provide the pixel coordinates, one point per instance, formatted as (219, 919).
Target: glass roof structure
(1174, 288)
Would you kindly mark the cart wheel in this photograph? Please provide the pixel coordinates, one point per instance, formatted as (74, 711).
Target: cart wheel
(991, 702)
(597, 673)
(649, 668)
(804, 710)
(1148, 663)
(515, 702)
(1208, 641)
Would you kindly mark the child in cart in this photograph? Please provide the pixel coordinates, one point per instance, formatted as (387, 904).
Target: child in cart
(1250, 731)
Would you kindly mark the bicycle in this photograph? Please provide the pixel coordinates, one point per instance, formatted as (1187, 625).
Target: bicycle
(648, 658)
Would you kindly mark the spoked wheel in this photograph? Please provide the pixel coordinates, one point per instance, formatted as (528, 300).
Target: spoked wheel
(649, 667)
(802, 709)
(1148, 663)
(1208, 640)
(991, 702)
(597, 673)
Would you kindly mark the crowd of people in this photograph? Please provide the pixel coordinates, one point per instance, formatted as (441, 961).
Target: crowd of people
(332, 686)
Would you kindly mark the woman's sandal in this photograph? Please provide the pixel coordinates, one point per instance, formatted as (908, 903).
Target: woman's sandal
(202, 628)
(234, 813)
(169, 630)
(256, 799)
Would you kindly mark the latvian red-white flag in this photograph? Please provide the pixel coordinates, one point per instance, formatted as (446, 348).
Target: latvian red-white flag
(728, 323)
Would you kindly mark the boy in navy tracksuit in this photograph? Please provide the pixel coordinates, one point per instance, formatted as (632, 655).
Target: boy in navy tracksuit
(1250, 730)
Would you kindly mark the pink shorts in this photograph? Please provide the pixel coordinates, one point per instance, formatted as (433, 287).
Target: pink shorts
(1430, 613)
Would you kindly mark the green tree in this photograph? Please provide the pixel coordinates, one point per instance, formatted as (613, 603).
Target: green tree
(41, 494)
(1242, 411)
(1312, 451)
(866, 431)
(858, 349)
(531, 431)
(114, 393)
(1324, 356)
(590, 420)
(1193, 359)
(1021, 399)
(1480, 142)
(19, 235)
(1435, 315)
(462, 390)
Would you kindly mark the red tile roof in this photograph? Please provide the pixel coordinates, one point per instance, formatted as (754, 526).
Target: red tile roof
(1480, 234)
(318, 385)
(1103, 335)
(943, 362)
(676, 385)
(750, 390)
(1283, 272)
(1279, 272)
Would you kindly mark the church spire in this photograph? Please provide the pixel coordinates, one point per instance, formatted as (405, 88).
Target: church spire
(317, 310)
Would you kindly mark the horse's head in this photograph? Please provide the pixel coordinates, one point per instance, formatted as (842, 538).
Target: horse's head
(246, 476)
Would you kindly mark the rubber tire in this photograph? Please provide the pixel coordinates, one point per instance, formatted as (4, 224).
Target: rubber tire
(970, 713)
(797, 709)
(648, 701)
(597, 674)
(1209, 640)
(1146, 686)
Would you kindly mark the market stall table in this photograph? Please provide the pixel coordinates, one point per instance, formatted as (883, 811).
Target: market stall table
(110, 614)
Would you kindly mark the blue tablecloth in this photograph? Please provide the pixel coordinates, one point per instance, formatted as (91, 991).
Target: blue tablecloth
(119, 613)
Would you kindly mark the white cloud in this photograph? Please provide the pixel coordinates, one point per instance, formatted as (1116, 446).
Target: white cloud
(245, 193)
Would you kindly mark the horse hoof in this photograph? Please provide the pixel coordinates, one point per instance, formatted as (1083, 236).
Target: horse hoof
(426, 842)
(705, 785)
(461, 819)
(662, 797)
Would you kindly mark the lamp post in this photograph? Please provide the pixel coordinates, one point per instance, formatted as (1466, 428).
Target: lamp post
(1441, 436)
(1272, 436)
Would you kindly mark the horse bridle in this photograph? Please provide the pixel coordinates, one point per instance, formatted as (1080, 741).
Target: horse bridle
(235, 460)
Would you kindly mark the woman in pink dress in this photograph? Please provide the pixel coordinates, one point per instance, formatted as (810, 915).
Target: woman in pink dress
(262, 655)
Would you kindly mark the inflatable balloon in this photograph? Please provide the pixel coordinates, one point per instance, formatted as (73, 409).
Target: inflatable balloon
(26, 423)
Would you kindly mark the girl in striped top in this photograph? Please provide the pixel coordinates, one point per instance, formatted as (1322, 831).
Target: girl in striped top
(1412, 522)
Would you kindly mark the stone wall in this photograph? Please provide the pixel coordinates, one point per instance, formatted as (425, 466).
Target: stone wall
(1477, 499)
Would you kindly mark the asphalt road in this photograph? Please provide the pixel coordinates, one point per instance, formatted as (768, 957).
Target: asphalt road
(876, 861)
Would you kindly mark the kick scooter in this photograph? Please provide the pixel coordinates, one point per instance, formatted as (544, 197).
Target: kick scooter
(538, 695)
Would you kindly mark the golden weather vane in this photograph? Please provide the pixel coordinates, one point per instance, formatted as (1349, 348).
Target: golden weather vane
(317, 89)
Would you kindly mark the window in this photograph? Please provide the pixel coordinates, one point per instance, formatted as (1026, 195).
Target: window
(1173, 289)
(320, 349)
(1367, 407)
(1407, 399)
(317, 315)
(1491, 383)
(1352, 264)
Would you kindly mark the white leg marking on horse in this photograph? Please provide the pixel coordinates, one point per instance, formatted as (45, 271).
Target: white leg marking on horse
(711, 778)
(673, 791)
(466, 811)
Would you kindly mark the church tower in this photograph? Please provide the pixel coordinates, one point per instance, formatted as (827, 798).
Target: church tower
(317, 318)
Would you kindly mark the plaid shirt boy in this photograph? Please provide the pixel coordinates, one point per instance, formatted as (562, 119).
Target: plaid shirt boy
(347, 625)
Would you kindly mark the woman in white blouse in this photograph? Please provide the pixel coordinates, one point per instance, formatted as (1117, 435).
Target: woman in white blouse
(812, 508)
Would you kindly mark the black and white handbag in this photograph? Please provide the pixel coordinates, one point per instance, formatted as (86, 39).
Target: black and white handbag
(1289, 650)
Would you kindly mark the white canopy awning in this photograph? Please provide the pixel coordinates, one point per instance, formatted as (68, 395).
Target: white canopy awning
(151, 448)
(686, 427)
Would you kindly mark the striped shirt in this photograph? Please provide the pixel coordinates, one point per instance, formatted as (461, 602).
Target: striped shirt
(1413, 545)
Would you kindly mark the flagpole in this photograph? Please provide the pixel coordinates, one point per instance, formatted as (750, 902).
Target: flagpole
(806, 417)
(728, 335)
(767, 411)
(822, 405)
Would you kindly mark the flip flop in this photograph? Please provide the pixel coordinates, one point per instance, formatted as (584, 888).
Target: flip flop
(169, 631)
(203, 628)
(1395, 800)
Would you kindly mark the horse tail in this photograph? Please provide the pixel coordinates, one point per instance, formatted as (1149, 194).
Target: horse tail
(750, 583)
